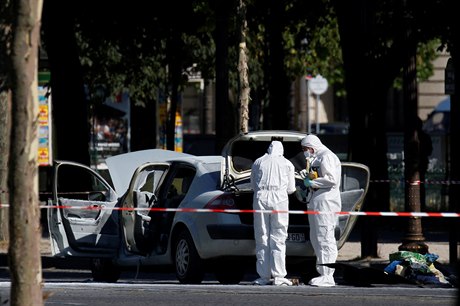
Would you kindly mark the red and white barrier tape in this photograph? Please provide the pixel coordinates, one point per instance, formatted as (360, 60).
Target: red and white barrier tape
(234, 211)
(426, 182)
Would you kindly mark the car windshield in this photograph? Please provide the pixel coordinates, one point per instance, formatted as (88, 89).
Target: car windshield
(244, 153)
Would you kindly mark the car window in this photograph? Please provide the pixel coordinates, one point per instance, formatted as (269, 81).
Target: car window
(149, 179)
(146, 181)
(78, 187)
(180, 185)
(80, 184)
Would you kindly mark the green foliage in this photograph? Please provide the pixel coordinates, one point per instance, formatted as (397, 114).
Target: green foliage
(319, 52)
(131, 54)
(426, 53)
(310, 40)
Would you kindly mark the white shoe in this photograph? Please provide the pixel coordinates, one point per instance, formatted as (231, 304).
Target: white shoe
(262, 282)
(281, 281)
(322, 281)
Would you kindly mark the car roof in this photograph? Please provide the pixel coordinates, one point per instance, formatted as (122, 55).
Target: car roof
(438, 121)
(443, 106)
(122, 167)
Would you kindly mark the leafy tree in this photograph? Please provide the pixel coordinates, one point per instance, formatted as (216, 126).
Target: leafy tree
(145, 53)
(384, 31)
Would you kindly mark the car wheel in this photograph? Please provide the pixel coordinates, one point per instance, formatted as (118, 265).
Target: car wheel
(103, 270)
(188, 264)
(228, 273)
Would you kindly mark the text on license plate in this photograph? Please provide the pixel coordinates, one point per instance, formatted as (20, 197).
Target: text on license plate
(296, 237)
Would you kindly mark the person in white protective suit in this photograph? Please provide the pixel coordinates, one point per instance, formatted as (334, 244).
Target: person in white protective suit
(324, 198)
(272, 179)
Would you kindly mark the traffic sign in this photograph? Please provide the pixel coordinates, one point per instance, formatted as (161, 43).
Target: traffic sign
(318, 85)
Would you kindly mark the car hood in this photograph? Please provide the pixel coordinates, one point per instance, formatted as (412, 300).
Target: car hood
(241, 151)
(121, 167)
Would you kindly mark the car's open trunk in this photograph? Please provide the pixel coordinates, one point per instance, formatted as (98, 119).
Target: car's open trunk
(244, 149)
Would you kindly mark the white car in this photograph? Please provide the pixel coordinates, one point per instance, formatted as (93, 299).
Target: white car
(159, 207)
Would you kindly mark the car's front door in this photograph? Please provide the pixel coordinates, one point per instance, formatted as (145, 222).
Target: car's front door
(82, 218)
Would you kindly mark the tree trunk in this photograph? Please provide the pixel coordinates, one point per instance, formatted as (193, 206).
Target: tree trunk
(243, 71)
(25, 232)
(278, 114)
(5, 128)
(175, 72)
(70, 109)
(143, 128)
(225, 112)
(364, 78)
(6, 20)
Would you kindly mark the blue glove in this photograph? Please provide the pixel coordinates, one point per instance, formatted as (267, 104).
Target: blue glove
(307, 182)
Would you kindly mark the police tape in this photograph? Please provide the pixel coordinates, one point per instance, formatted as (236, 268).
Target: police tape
(238, 211)
(426, 182)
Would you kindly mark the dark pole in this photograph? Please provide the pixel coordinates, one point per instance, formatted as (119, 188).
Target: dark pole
(454, 142)
(414, 239)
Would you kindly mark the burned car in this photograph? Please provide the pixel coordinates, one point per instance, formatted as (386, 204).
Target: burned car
(164, 208)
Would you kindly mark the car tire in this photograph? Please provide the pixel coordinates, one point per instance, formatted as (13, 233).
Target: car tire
(103, 270)
(189, 266)
(229, 273)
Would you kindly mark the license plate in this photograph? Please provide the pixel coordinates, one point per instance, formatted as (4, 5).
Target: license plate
(296, 237)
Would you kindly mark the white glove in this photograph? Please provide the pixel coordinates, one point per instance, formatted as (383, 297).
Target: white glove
(303, 173)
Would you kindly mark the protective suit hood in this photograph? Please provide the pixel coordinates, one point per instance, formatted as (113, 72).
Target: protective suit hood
(276, 148)
(313, 142)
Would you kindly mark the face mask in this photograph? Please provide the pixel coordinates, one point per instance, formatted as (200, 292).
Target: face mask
(307, 154)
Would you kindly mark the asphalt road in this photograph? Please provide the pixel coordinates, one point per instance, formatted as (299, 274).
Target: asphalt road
(160, 292)
(358, 284)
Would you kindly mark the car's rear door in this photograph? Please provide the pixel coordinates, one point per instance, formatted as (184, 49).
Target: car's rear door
(81, 216)
(138, 215)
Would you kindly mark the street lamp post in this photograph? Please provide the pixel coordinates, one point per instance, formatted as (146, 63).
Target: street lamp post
(414, 240)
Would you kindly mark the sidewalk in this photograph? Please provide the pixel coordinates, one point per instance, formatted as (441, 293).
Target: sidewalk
(351, 267)
(390, 236)
(351, 251)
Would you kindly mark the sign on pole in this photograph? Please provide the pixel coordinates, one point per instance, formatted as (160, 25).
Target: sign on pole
(318, 85)
(45, 156)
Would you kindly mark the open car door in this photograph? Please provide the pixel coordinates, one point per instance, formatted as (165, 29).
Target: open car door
(140, 224)
(81, 218)
(353, 190)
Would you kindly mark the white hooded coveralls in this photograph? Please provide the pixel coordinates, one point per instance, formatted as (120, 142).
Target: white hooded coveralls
(325, 197)
(272, 179)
